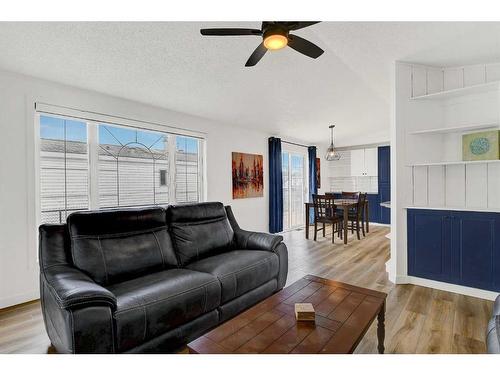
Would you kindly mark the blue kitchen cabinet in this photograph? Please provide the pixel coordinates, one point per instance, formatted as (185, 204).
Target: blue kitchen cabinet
(384, 183)
(384, 165)
(384, 193)
(458, 247)
(373, 207)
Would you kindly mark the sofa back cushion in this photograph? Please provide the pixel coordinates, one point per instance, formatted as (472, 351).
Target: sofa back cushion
(118, 245)
(199, 230)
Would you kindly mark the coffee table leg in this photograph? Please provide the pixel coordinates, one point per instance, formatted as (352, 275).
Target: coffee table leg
(381, 329)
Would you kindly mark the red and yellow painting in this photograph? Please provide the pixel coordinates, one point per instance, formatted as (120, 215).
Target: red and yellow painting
(248, 176)
(318, 173)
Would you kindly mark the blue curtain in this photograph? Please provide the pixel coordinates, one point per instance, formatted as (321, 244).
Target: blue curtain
(313, 188)
(275, 186)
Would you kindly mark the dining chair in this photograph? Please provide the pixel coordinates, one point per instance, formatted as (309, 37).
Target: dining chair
(350, 194)
(325, 213)
(356, 216)
(339, 211)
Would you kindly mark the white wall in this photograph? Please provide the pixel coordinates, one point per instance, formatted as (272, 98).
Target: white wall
(18, 265)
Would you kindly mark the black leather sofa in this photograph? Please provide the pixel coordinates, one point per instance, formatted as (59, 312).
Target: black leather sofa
(150, 280)
(493, 331)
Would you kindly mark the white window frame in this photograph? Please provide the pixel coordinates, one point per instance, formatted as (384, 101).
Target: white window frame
(93, 145)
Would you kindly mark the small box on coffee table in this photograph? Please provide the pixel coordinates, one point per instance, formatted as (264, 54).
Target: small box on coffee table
(304, 312)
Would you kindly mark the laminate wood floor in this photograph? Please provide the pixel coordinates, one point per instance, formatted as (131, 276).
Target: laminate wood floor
(418, 319)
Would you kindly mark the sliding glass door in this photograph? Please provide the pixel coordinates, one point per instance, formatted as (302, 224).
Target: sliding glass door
(294, 189)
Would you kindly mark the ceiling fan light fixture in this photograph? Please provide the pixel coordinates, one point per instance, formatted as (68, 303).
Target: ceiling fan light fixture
(275, 41)
(275, 38)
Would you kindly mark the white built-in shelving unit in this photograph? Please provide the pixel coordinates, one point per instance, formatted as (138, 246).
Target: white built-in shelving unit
(442, 104)
(434, 107)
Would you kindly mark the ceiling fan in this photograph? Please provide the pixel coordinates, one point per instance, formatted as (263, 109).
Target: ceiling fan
(275, 35)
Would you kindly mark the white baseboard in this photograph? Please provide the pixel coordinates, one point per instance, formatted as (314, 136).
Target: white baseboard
(19, 298)
(453, 288)
(380, 224)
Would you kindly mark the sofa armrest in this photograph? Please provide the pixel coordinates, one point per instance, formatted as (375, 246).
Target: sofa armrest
(71, 287)
(256, 240)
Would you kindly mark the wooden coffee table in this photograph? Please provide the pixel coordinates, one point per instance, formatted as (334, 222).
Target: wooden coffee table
(343, 315)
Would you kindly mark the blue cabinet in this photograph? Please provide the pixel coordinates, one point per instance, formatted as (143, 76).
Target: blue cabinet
(373, 207)
(457, 247)
(384, 165)
(384, 183)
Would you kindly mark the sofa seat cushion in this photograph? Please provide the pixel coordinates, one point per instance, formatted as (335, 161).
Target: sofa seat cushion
(240, 270)
(151, 305)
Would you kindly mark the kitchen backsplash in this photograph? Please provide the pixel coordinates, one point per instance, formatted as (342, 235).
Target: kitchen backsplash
(365, 184)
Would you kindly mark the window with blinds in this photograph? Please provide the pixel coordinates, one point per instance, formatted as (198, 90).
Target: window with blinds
(90, 165)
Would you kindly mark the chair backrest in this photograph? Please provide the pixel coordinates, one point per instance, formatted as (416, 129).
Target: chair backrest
(324, 206)
(361, 203)
(350, 194)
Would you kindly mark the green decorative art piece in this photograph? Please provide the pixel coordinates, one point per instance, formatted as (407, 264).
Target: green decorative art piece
(481, 146)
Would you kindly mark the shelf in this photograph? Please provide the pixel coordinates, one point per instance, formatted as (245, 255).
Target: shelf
(473, 209)
(333, 177)
(463, 162)
(456, 129)
(475, 89)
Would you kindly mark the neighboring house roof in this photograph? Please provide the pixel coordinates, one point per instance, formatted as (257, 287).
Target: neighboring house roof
(73, 147)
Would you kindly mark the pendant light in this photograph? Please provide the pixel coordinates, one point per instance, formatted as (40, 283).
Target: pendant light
(331, 153)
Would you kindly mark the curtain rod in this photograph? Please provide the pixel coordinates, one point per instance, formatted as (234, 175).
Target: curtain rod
(295, 144)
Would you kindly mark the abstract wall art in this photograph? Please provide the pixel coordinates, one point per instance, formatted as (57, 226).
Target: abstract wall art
(318, 173)
(248, 175)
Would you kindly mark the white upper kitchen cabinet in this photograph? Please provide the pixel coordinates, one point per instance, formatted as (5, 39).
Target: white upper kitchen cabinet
(358, 162)
(371, 161)
(364, 162)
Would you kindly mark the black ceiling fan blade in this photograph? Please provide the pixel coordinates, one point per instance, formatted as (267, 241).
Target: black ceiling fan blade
(304, 46)
(301, 24)
(230, 31)
(256, 55)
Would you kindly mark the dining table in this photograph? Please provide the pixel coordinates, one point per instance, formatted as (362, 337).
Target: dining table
(345, 205)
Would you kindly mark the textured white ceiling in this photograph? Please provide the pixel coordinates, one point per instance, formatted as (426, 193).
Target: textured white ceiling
(169, 64)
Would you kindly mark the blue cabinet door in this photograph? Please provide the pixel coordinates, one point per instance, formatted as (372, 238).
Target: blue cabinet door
(373, 207)
(476, 249)
(384, 182)
(384, 192)
(429, 251)
(457, 247)
(384, 165)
